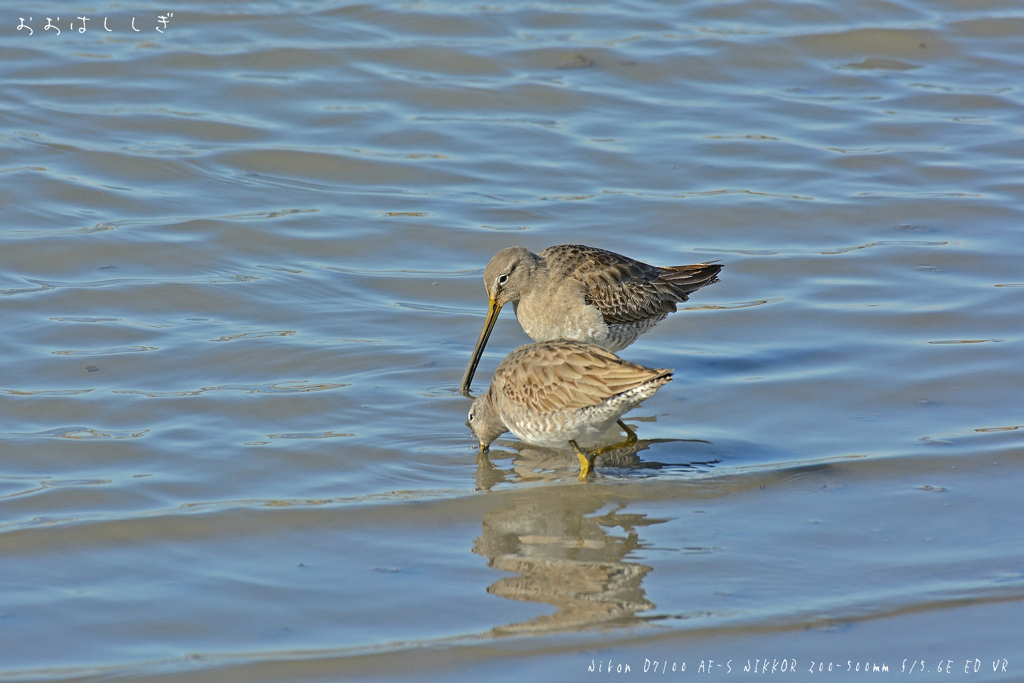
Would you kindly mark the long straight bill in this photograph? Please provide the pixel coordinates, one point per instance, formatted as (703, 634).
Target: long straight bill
(478, 352)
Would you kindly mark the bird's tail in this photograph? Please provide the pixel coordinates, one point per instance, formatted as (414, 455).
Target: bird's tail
(683, 280)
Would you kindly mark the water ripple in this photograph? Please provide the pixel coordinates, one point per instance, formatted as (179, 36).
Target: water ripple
(830, 252)
(727, 307)
(45, 286)
(114, 350)
(284, 387)
(255, 335)
(78, 433)
(46, 392)
(310, 435)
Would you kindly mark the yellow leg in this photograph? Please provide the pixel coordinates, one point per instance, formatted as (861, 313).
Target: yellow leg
(630, 440)
(630, 434)
(586, 461)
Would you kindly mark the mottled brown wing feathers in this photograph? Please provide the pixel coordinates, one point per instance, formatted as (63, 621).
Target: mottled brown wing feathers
(558, 375)
(625, 290)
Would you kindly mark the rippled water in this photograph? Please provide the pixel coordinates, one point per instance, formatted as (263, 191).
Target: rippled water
(240, 279)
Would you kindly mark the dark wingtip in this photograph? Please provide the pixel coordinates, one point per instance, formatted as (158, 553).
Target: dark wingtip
(685, 280)
(694, 272)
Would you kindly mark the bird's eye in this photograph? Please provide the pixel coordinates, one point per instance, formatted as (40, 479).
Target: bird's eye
(471, 417)
(502, 279)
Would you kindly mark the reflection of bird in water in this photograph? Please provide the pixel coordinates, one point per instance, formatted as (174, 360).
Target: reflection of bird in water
(575, 292)
(564, 555)
(535, 464)
(562, 393)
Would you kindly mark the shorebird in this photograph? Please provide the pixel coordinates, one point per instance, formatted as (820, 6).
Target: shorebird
(575, 292)
(560, 393)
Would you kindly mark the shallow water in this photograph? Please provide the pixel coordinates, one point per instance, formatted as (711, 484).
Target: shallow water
(240, 276)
